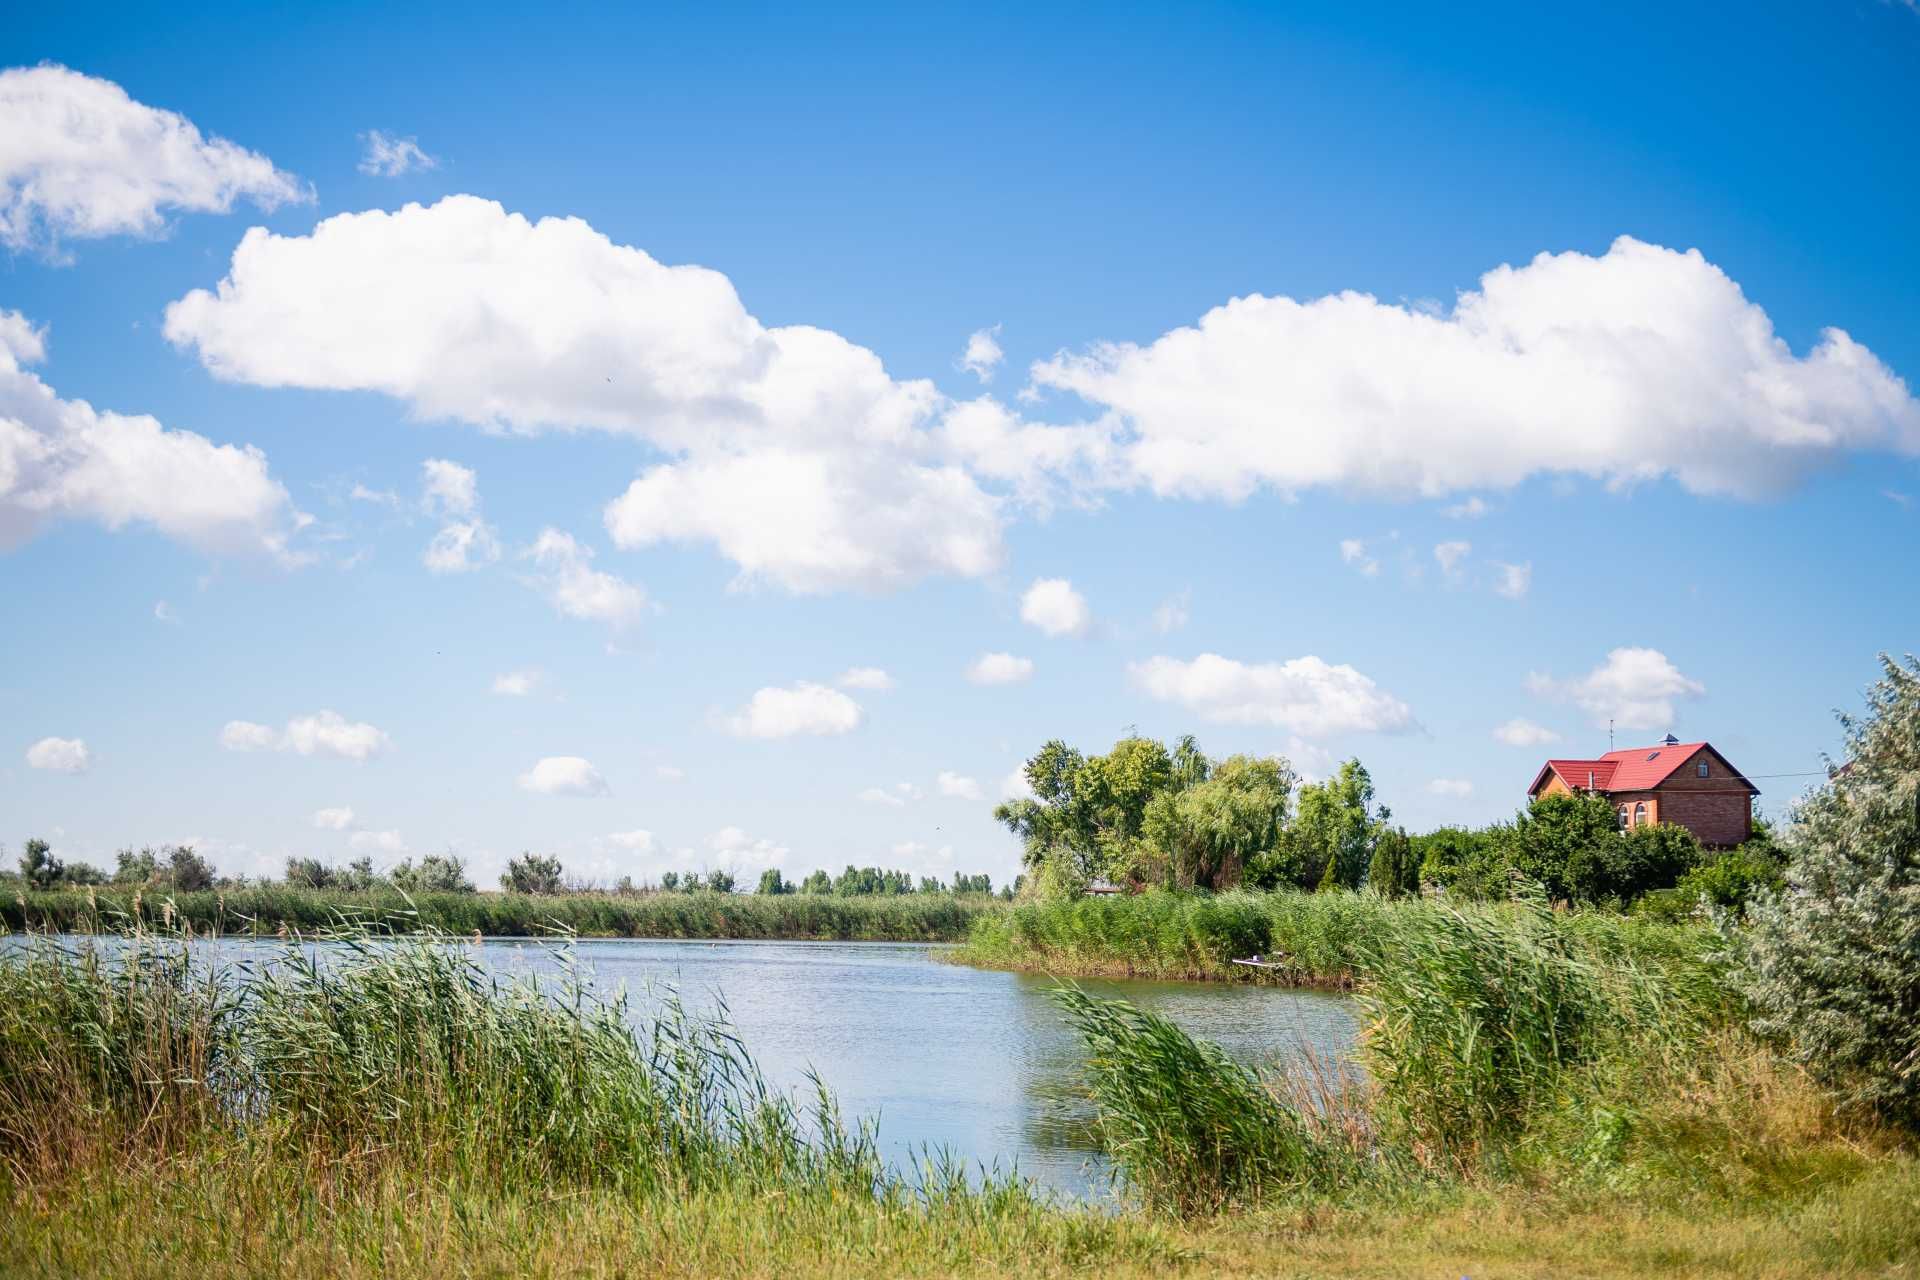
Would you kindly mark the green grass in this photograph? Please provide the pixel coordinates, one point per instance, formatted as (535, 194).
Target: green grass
(268, 909)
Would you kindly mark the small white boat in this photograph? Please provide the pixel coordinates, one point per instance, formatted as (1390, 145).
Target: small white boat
(1266, 962)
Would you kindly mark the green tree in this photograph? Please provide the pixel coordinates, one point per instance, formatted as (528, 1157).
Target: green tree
(720, 882)
(1646, 859)
(38, 867)
(532, 873)
(308, 873)
(1565, 842)
(1217, 821)
(819, 882)
(187, 871)
(1464, 862)
(135, 868)
(1829, 964)
(1086, 817)
(1335, 821)
(772, 882)
(1394, 871)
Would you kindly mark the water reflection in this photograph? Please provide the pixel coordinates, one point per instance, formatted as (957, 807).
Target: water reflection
(975, 1061)
(943, 1056)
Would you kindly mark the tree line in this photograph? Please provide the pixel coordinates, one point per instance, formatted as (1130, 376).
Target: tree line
(179, 868)
(1146, 814)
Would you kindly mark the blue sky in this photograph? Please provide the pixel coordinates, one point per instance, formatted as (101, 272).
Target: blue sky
(683, 504)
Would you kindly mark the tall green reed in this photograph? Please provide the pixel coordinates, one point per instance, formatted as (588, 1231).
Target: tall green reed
(374, 1049)
(1190, 1130)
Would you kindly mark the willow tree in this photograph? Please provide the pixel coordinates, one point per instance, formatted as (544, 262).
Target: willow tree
(1209, 831)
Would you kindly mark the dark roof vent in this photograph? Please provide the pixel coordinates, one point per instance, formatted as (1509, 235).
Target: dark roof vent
(1669, 741)
(1653, 755)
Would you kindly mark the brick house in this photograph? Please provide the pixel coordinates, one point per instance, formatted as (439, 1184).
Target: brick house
(1687, 783)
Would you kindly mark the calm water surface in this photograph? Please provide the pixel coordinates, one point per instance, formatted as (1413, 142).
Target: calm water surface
(942, 1056)
(976, 1061)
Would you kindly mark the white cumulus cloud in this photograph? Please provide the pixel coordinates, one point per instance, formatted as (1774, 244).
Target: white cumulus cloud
(1173, 613)
(80, 159)
(1450, 555)
(957, 786)
(1521, 732)
(1052, 605)
(638, 840)
(873, 678)
(1634, 688)
(897, 796)
(1000, 668)
(516, 684)
(1353, 551)
(564, 572)
(335, 819)
(804, 708)
(324, 733)
(1453, 788)
(377, 842)
(60, 755)
(387, 156)
(1306, 695)
(983, 354)
(741, 852)
(65, 459)
(1513, 580)
(1633, 365)
(789, 448)
(564, 776)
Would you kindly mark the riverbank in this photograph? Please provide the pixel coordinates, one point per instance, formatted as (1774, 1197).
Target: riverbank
(1319, 940)
(270, 910)
(220, 1223)
(1538, 1103)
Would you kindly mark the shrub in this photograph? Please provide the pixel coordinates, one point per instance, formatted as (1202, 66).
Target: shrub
(1732, 879)
(437, 873)
(1829, 964)
(532, 873)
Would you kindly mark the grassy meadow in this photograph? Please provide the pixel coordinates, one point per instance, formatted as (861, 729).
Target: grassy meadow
(1545, 1096)
(274, 908)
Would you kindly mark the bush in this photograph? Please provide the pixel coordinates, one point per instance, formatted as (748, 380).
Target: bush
(437, 873)
(1829, 964)
(1732, 879)
(531, 873)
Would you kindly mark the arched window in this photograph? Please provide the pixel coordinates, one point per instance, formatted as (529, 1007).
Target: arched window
(1640, 814)
(1623, 817)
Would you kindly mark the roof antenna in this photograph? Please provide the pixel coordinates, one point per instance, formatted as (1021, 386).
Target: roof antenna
(1609, 733)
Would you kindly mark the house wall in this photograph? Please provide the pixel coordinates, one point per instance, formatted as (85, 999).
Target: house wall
(1719, 818)
(1717, 808)
(1554, 787)
(1632, 798)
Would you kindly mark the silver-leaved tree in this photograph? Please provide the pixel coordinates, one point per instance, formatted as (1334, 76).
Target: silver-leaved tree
(1831, 964)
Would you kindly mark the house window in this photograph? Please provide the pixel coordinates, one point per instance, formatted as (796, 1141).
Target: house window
(1701, 768)
(1640, 814)
(1623, 817)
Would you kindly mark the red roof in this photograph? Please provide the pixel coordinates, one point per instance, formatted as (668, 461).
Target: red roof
(1631, 769)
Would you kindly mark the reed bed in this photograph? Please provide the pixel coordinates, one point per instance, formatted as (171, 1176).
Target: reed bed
(270, 909)
(1317, 939)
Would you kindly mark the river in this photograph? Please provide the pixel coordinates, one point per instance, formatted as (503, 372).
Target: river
(976, 1061)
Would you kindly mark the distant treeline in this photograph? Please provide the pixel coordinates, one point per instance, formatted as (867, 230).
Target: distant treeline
(273, 908)
(179, 868)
